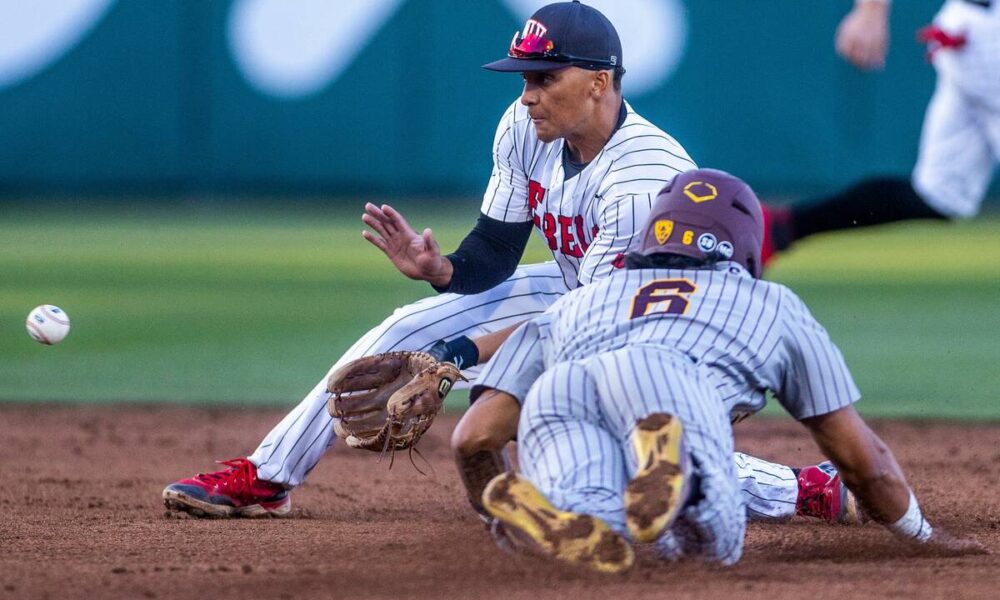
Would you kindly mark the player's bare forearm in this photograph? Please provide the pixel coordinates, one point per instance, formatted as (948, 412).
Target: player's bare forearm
(489, 343)
(488, 425)
(476, 471)
(479, 438)
(866, 464)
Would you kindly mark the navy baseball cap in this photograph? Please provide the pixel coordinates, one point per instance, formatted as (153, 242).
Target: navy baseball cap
(707, 215)
(561, 35)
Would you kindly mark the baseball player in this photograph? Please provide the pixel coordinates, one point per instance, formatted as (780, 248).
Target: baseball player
(628, 386)
(573, 161)
(960, 141)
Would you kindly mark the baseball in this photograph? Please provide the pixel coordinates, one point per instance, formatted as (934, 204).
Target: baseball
(47, 324)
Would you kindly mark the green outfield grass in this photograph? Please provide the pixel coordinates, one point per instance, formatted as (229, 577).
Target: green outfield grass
(250, 306)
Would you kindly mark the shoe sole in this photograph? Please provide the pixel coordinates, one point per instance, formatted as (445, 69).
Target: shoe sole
(537, 526)
(656, 494)
(181, 502)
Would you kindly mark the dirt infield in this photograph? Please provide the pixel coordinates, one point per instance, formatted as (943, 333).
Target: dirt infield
(82, 518)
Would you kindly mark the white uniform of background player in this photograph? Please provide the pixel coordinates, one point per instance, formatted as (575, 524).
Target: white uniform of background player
(960, 140)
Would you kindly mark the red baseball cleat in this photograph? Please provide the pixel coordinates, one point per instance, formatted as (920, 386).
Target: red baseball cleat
(824, 496)
(233, 492)
(777, 225)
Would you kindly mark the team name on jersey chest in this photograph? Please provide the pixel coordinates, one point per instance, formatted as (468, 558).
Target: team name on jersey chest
(563, 233)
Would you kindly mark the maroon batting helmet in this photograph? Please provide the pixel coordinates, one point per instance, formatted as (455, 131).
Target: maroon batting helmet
(708, 215)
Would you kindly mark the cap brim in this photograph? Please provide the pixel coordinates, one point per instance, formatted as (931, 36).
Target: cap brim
(524, 65)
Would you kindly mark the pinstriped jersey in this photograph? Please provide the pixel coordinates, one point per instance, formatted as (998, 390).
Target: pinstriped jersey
(748, 336)
(587, 219)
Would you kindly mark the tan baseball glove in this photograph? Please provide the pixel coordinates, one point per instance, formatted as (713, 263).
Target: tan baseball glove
(388, 401)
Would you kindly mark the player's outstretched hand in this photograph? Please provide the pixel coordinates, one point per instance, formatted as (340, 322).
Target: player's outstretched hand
(945, 543)
(863, 35)
(416, 255)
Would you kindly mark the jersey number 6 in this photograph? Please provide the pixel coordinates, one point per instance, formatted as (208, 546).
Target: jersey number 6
(668, 296)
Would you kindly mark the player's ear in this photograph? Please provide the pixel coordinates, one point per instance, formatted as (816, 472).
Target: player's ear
(601, 82)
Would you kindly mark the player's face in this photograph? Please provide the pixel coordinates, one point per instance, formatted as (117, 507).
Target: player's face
(559, 101)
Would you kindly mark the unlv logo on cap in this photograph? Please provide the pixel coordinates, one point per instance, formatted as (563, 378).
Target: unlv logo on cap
(533, 27)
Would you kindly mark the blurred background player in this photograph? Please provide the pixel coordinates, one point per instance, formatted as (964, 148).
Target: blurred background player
(629, 383)
(960, 140)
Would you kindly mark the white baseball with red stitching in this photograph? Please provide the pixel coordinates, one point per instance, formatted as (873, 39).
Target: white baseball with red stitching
(47, 324)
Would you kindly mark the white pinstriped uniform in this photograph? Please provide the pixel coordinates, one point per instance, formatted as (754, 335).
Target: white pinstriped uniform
(960, 140)
(704, 345)
(586, 220)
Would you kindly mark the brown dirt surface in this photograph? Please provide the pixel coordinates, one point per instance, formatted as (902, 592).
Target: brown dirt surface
(82, 518)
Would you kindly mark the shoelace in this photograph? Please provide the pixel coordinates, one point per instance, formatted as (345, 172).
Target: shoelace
(235, 479)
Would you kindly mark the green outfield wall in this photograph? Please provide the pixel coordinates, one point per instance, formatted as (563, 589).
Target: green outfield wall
(387, 96)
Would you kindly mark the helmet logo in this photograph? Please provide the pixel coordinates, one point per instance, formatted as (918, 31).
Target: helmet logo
(662, 230)
(726, 249)
(700, 191)
(706, 242)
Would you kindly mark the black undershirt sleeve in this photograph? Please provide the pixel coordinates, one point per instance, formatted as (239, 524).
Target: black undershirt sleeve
(487, 256)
